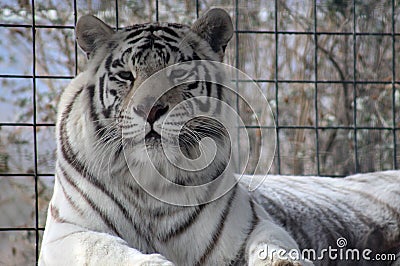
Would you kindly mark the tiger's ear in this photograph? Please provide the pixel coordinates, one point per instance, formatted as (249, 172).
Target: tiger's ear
(215, 26)
(91, 33)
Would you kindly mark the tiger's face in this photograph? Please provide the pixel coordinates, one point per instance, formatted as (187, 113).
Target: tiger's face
(150, 94)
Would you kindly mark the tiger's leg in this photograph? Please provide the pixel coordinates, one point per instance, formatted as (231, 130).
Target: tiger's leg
(270, 244)
(68, 244)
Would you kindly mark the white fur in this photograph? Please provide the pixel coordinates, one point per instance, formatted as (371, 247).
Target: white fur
(99, 194)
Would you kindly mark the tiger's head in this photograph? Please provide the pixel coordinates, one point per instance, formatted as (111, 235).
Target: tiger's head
(151, 94)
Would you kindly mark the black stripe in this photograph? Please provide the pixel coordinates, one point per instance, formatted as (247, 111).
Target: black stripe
(376, 200)
(278, 211)
(219, 83)
(172, 46)
(204, 107)
(55, 213)
(140, 196)
(70, 200)
(117, 63)
(292, 225)
(348, 207)
(181, 57)
(133, 196)
(145, 46)
(111, 78)
(93, 115)
(167, 57)
(208, 83)
(65, 147)
(193, 85)
(77, 165)
(334, 218)
(107, 113)
(161, 54)
(101, 90)
(127, 51)
(71, 157)
(103, 134)
(320, 215)
(253, 223)
(149, 44)
(168, 39)
(170, 31)
(133, 34)
(96, 69)
(179, 229)
(135, 27)
(137, 56)
(103, 216)
(216, 235)
(188, 95)
(108, 62)
(254, 218)
(134, 41)
(219, 96)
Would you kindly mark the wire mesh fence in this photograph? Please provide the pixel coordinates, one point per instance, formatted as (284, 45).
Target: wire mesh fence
(329, 70)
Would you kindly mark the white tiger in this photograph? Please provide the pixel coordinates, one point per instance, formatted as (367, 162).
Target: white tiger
(101, 215)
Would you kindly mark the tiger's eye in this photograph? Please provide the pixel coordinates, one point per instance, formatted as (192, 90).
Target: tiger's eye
(125, 75)
(179, 73)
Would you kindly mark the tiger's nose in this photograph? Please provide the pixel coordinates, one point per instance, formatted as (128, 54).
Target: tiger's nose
(154, 114)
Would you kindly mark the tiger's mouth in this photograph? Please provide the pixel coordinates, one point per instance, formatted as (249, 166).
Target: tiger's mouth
(152, 136)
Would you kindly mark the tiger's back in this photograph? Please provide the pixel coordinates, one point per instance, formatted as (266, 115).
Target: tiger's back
(363, 210)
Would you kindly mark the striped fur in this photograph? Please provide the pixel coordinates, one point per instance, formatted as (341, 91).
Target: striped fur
(364, 209)
(101, 215)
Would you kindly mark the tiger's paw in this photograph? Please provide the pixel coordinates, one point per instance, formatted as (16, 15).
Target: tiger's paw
(152, 260)
(287, 263)
(279, 262)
